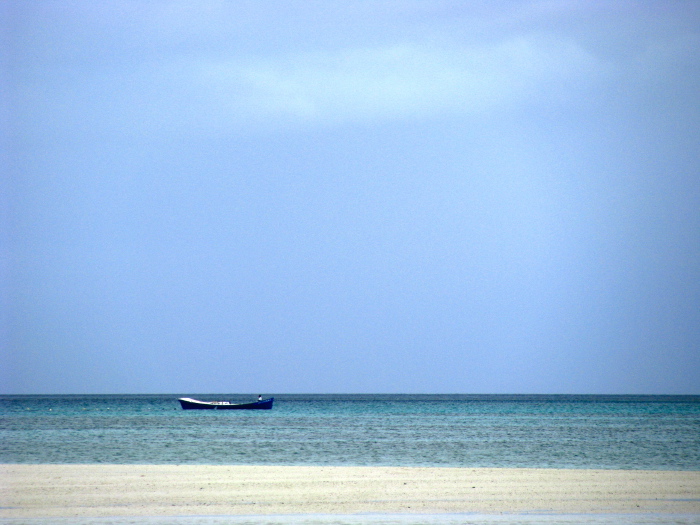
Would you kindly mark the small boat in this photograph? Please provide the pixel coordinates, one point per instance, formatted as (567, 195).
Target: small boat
(192, 404)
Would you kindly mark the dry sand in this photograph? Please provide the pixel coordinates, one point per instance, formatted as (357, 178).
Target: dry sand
(160, 490)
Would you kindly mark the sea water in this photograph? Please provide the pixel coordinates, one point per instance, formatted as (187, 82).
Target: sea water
(606, 432)
(601, 432)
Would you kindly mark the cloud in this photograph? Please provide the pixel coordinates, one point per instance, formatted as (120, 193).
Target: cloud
(229, 82)
(325, 88)
(401, 80)
(397, 81)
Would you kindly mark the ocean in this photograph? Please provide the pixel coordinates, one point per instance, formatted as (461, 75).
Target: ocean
(601, 432)
(558, 431)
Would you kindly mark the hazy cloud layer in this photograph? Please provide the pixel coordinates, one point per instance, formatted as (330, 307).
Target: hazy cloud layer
(177, 65)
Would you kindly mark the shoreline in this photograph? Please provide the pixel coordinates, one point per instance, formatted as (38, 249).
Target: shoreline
(109, 490)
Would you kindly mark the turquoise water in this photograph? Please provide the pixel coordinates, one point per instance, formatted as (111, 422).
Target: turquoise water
(611, 432)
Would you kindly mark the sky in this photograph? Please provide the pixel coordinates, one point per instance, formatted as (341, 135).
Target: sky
(394, 196)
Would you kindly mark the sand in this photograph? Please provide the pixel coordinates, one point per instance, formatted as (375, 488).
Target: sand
(34, 491)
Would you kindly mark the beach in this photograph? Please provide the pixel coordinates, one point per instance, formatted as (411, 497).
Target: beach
(36, 491)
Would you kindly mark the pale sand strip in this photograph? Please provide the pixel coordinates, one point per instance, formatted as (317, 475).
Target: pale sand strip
(157, 490)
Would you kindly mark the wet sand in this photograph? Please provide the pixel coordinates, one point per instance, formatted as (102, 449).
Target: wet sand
(34, 491)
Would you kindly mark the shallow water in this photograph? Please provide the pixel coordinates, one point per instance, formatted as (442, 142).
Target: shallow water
(611, 432)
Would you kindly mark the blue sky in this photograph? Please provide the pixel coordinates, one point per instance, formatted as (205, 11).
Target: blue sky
(394, 196)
